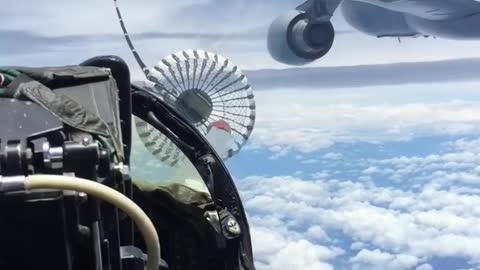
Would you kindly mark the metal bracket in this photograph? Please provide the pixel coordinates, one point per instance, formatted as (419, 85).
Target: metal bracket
(319, 11)
(12, 183)
(52, 156)
(123, 169)
(134, 258)
(214, 220)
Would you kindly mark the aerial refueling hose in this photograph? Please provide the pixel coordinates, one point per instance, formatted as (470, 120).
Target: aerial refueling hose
(143, 222)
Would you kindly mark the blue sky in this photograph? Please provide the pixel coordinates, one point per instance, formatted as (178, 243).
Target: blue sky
(371, 177)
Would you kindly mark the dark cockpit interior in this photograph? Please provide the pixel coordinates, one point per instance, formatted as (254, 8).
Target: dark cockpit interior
(77, 121)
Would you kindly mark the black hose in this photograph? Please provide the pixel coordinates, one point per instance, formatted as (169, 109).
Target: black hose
(142, 65)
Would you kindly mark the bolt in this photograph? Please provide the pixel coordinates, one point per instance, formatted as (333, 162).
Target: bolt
(84, 230)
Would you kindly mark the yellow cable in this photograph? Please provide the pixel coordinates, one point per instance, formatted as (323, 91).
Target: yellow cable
(110, 195)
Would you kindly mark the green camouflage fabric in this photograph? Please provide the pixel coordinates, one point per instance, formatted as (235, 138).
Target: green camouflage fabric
(6, 77)
(36, 84)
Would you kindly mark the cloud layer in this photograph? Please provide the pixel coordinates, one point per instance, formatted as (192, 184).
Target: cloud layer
(97, 18)
(318, 119)
(363, 224)
(365, 75)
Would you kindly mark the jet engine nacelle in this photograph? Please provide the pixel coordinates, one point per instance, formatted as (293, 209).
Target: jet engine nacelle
(293, 40)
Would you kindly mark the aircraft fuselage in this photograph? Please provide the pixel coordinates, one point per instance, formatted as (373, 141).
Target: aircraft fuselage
(306, 34)
(429, 9)
(455, 19)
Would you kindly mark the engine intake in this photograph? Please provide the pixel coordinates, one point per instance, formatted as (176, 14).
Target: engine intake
(294, 40)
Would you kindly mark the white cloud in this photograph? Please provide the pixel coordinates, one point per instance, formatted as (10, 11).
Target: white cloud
(424, 267)
(84, 17)
(203, 16)
(278, 151)
(309, 161)
(425, 228)
(376, 259)
(371, 170)
(458, 167)
(467, 145)
(303, 255)
(317, 233)
(333, 156)
(321, 175)
(314, 120)
(357, 246)
(385, 227)
(277, 248)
